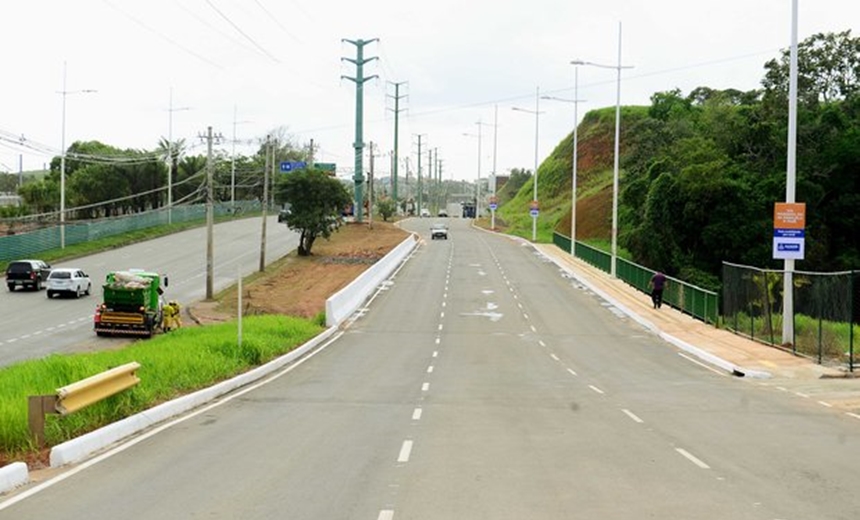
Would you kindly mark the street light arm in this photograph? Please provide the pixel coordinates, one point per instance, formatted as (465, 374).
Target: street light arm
(600, 65)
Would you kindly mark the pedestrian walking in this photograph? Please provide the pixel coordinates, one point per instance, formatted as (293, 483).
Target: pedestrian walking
(657, 284)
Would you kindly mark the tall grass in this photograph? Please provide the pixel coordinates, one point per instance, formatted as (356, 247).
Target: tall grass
(171, 365)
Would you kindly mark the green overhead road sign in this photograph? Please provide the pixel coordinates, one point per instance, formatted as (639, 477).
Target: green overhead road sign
(325, 166)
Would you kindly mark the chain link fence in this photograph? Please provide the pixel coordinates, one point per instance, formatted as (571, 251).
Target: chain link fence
(826, 311)
(43, 236)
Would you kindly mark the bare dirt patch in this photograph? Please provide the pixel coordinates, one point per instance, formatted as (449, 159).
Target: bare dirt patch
(299, 286)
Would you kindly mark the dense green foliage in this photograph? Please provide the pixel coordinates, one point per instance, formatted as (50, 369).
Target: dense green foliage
(316, 199)
(103, 181)
(701, 172)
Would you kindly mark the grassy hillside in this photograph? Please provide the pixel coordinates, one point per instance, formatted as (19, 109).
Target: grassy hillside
(594, 173)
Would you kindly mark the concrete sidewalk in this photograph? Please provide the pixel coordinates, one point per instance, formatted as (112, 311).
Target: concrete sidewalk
(718, 348)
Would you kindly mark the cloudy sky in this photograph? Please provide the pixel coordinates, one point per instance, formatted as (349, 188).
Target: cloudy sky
(250, 66)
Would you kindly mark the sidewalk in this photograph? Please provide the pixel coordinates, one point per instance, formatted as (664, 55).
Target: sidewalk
(715, 347)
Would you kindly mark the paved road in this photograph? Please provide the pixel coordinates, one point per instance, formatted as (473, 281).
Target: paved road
(34, 326)
(481, 384)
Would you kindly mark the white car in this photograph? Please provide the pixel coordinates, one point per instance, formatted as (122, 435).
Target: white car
(438, 230)
(65, 280)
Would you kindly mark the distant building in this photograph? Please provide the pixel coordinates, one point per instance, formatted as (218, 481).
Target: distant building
(10, 200)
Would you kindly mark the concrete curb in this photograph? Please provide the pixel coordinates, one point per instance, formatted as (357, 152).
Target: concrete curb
(84, 446)
(703, 355)
(342, 304)
(13, 475)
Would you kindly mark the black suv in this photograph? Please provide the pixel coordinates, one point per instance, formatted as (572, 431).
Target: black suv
(27, 273)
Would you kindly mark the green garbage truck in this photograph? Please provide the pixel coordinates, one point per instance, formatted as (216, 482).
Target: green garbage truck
(131, 303)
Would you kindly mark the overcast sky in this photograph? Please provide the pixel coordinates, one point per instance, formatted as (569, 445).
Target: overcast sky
(278, 64)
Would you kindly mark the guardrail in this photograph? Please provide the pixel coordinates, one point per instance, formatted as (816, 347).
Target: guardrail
(81, 394)
(699, 303)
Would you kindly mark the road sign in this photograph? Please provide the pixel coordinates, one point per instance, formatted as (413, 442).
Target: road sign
(789, 233)
(493, 206)
(534, 212)
(326, 166)
(534, 205)
(288, 166)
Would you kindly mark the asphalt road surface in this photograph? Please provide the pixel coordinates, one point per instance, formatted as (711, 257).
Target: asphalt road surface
(33, 326)
(479, 383)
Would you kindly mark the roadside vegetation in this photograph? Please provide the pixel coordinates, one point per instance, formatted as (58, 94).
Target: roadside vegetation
(700, 171)
(172, 365)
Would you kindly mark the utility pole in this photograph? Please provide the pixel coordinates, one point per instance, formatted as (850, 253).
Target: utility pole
(370, 191)
(311, 155)
(359, 80)
(420, 194)
(210, 211)
(269, 152)
(397, 98)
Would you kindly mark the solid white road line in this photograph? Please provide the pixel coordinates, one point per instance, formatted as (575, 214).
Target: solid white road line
(703, 365)
(692, 458)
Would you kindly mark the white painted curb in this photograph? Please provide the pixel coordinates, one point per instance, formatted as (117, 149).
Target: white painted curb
(13, 475)
(343, 303)
(84, 446)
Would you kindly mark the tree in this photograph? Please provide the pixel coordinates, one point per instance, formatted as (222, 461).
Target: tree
(828, 69)
(386, 208)
(316, 199)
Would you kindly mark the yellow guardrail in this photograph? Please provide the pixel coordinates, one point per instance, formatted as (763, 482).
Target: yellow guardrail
(81, 394)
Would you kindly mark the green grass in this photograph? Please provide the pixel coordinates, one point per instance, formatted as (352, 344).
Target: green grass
(172, 364)
(829, 339)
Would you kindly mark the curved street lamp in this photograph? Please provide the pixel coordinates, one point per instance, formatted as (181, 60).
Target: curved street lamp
(618, 68)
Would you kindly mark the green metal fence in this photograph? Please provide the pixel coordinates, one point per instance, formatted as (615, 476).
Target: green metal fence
(31, 243)
(690, 299)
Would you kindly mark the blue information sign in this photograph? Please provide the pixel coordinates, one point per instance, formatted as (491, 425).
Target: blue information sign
(288, 166)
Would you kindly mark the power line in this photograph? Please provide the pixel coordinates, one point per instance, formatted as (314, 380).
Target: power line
(240, 31)
(164, 37)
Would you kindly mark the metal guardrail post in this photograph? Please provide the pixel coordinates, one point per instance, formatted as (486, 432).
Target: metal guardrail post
(37, 407)
(81, 394)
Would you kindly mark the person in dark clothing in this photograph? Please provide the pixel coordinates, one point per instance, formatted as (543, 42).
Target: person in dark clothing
(657, 284)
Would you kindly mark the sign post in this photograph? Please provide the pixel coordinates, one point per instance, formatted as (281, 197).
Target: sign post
(494, 203)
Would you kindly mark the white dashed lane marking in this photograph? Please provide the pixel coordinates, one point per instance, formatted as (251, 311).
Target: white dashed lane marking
(689, 456)
(405, 451)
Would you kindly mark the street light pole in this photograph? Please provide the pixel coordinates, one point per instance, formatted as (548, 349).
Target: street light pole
(478, 184)
(233, 159)
(65, 92)
(537, 113)
(615, 167)
(575, 160)
(170, 111)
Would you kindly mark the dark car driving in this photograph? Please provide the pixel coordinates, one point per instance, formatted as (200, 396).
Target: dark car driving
(27, 273)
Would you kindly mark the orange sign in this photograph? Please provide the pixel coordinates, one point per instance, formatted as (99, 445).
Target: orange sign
(789, 215)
